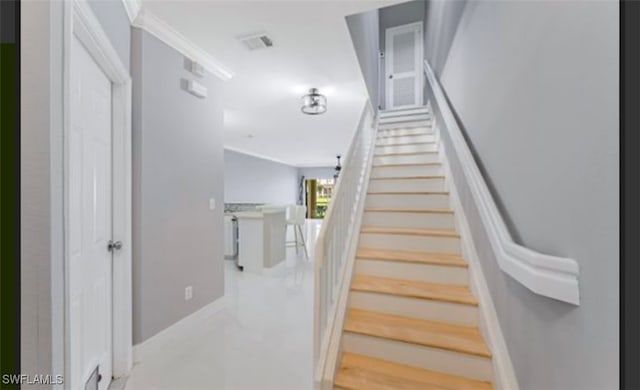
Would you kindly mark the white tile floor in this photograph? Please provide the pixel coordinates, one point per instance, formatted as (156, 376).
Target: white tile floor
(261, 340)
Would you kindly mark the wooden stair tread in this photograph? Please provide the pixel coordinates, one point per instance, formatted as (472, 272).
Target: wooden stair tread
(440, 335)
(410, 231)
(405, 165)
(403, 154)
(433, 258)
(408, 193)
(403, 135)
(412, 211)
(406, 144)
(409, 177)
(359, 372)
(414, 289)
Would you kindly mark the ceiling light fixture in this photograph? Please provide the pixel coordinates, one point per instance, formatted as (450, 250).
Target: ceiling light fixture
(338, 168)
(313, 103)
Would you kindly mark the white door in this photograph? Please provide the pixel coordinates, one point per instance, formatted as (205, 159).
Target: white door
(403, 66)
(89, 221)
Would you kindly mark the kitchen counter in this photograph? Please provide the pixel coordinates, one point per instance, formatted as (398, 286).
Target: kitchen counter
(261, 237)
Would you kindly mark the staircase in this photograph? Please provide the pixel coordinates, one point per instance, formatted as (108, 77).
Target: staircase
(411, 320)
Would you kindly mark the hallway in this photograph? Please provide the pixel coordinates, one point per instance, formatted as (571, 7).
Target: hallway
(260, 339)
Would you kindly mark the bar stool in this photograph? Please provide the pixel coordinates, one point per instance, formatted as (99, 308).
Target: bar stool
(296, 218)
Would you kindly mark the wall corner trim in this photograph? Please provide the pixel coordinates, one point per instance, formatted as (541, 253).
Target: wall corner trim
(132, 7)
(551, 276)
(149, 22)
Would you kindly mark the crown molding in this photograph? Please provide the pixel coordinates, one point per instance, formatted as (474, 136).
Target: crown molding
(149, 22)
(132, 7)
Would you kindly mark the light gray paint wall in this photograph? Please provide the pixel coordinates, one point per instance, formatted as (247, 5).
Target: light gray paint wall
(364, 30)
(115, 22)
(535, 86)
(249, 179)
(392, 16)
(178, 165)
(441, 20)
(42, 262)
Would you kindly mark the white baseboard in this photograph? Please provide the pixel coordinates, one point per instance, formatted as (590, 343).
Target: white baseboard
(504, 374)
(180, 329)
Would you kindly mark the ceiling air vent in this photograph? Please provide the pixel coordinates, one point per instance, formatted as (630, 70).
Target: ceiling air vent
(256, 41)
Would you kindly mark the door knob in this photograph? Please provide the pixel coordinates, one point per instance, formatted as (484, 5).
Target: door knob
(114, 245)
(390, 76)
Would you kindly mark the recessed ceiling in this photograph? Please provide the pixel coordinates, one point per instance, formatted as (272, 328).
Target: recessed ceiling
(311, 48)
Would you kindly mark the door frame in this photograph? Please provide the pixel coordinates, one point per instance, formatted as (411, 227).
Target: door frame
(80, 21)
(419, 81)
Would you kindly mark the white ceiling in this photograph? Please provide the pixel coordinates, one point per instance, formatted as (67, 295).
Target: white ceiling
(312, 48)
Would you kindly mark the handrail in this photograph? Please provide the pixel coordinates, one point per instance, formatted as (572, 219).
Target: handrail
(550, 276)
(336, 241)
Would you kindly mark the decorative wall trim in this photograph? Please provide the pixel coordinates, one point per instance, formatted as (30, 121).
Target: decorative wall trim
(551, 276)
(504, 376)
(167, 34)
(132, 7)
(181, 329)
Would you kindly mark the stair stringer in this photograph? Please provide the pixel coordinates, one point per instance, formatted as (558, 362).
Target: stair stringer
(504, 376)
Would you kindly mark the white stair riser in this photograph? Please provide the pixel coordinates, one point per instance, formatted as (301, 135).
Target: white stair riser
(424, 309)
(406, 139)
(407, 185)
(407, 159)
(407, 171)
(400, 242)
(404, 125)
(409, 220)
(405, 118)
(429, 273)
(406, 202)
(454, 363)
(397, 113)
(408, 131)
(414, 148)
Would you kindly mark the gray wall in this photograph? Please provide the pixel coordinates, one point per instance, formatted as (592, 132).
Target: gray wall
(249, 179)
(441, 19)
(42, 288)
(392, 16)
(364, 30)
(535, 86)
(178, 166)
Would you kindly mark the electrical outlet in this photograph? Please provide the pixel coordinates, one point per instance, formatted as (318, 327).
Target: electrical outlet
(188, 293)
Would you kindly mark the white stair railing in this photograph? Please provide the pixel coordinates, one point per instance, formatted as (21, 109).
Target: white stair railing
(335, 247)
